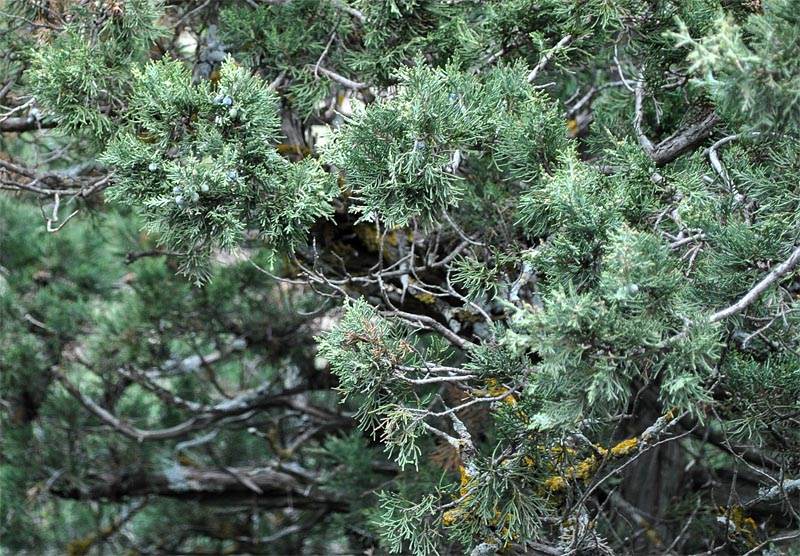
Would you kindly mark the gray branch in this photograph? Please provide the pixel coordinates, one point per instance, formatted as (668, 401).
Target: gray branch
(24, 123)
(759, 288)
(264, 487)
(248, 401)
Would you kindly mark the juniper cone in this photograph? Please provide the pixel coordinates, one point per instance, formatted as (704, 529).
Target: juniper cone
(400, 277)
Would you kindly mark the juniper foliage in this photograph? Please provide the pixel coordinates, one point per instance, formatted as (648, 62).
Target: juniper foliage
(424, 277)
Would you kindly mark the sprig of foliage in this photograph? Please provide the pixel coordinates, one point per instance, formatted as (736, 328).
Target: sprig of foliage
(82, 74)
(202, 167)
(749, 67)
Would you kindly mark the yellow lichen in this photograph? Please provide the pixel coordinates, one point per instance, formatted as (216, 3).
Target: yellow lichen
(496, 390)
(301, 150)
(186, 461)
(465, 315)
(555, 484)
(464, 475)
(585, 469)
(426, 298)
(563, 450)
(572, 127)
(625, 447)
(560, 453)
(449, 517)
(80, 547)
(391, 237)
(654, 537)
(369, 235)
(465, 479)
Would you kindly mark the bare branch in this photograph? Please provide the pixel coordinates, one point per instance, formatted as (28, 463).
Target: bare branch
(133, 256)
(228, 485)
(240, 405)
(350, 11)
(685, 139)
(547, 56)
(275, 83)
(638, 117)
(349, 83)
(24, 123)
(759, 548)
(429, 322)
(17, 177)
(716, 163)
(759, 288)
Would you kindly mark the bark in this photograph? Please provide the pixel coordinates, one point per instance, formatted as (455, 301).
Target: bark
(685, 139)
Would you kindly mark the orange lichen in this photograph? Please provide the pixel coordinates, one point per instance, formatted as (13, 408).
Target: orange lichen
(745, 526)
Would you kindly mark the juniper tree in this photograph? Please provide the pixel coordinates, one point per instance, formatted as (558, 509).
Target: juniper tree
(329, 276)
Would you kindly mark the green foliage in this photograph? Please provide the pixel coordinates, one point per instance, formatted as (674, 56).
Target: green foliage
(290, 39)
(594, 346)
(762, 395)
(401, 31)
(439, 119)
(503, 503)
(512, 264)
(202, 167)
(409, 170)
(478, 276)
(365, 351)
(750, 68)
(83, 73)
(575, 202)
(417, 524)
